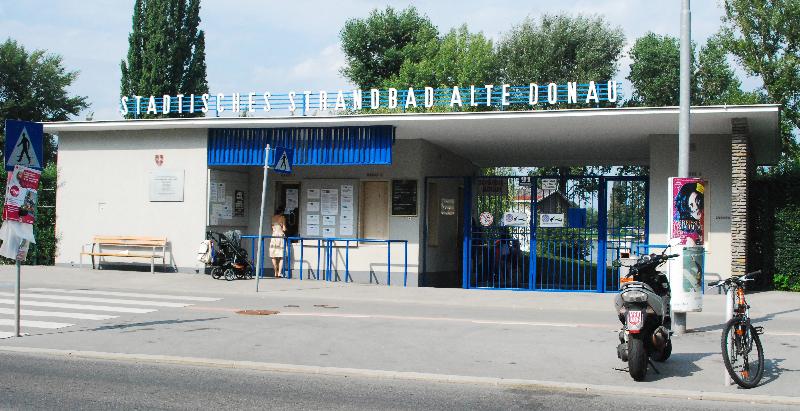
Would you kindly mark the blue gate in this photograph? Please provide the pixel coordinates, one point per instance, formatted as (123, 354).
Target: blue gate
(552, 233)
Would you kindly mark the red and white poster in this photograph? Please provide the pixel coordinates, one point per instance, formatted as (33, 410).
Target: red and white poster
(21, 195)
(688, 197)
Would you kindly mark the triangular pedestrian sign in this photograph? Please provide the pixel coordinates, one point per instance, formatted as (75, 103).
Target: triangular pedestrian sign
(23, 153)
(284, 163)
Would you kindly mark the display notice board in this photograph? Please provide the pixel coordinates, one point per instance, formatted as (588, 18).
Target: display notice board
(404, 197)
(329, 208)
(227, 199)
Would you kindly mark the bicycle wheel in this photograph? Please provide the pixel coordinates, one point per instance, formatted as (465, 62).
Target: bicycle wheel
(742, 353)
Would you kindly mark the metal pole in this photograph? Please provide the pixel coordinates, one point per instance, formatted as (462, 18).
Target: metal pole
(728, 316)
(679, 320)
(17, 293)
(260, 263)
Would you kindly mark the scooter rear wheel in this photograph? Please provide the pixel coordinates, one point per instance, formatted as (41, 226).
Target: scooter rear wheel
(637, 357)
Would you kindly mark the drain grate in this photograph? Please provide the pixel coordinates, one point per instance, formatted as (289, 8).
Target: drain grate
(257, 312)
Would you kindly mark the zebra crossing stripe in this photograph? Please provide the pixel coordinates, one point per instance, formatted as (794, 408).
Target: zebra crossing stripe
(35, 324)
(121, 294)
(97, 300)
(28, 303)
(58, 314)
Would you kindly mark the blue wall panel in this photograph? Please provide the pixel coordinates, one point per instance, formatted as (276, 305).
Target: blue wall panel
(318, 146)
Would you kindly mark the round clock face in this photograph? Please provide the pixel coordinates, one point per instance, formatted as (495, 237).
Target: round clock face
(486, 219)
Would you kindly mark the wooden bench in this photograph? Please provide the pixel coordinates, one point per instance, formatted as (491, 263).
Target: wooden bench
(127, 246)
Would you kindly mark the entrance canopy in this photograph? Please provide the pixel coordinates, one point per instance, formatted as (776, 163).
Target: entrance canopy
(613, 136)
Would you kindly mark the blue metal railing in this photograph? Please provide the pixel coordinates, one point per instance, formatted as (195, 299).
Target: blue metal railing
(325, 256)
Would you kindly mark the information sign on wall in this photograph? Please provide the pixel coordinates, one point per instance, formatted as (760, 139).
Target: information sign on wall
(166, 185)
(404, 197)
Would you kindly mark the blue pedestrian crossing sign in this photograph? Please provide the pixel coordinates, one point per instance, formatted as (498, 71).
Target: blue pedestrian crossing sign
(24, 144)
(283, 160)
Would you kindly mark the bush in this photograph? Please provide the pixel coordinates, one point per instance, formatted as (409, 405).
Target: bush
(787, 249)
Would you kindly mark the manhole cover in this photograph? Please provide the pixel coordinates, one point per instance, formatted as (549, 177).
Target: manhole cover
(257, 312)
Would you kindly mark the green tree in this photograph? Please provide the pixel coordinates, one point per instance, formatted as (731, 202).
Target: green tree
(376, 47)
(33, 87)
(460, 58)
(655, 74)
(655, 71)
(560, 48)
(764, 37)
(166, 52)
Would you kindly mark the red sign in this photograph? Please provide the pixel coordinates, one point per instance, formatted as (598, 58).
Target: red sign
(21, 195)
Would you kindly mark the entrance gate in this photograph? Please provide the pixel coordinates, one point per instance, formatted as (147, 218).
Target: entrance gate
(552, 233)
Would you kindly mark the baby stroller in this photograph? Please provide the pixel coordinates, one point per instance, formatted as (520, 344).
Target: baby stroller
(230, 259)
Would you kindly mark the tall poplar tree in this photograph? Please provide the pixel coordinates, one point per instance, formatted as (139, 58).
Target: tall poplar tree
(166, 53)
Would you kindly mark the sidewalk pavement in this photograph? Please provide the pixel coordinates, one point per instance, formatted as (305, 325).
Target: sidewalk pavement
(559, 338)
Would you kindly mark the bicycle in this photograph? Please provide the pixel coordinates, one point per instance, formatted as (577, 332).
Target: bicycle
(739, 336)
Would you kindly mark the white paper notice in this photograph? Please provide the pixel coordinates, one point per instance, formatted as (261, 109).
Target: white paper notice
(329, 231)
(347, 190)
(292, 199)
(347, 216)
(312, 206)
(216, 213)
(312, 230)
(329, 220)
(330, 201)
(212, 193)
(220, 191)
(227, 208)
(345, 229)
(313, 193)
(312, 219)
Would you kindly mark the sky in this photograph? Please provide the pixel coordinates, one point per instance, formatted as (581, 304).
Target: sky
(279, 46)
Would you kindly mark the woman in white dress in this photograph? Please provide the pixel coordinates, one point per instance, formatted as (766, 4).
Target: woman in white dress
(276, 243)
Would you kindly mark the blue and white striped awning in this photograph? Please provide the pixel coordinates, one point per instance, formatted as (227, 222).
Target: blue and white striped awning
(313, 146)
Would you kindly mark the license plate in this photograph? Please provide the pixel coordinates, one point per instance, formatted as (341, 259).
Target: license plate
(634, 319)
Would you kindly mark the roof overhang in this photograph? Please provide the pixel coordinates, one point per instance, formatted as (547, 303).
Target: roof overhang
(515, 138)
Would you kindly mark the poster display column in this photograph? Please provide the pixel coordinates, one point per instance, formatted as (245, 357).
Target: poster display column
(687, 224)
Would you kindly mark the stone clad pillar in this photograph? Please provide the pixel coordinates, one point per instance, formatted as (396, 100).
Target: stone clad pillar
(741, 173)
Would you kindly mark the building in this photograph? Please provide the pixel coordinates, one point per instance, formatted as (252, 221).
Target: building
(412, 177)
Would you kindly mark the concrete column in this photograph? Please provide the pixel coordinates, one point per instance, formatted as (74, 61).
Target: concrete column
(741, 172)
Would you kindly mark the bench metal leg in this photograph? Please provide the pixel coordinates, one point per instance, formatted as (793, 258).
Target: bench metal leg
(152, 264)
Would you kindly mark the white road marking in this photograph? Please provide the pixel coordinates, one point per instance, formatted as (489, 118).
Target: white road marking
(35, 324)
(120, 294)
(59, 314)
(97, 300)
(80, 306)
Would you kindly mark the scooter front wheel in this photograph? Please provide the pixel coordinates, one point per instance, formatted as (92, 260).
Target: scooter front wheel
(637, 357)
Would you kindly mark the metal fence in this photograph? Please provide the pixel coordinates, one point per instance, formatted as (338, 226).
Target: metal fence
(322, 250)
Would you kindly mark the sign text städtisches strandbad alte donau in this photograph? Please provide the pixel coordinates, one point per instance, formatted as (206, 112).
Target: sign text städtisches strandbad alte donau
(427, 97)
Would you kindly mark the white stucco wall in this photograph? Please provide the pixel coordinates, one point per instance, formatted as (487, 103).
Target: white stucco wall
(710, 158)
(103, 189)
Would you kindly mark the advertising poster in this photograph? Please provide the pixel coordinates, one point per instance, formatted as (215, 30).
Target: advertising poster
(21, 195)
(688, 210)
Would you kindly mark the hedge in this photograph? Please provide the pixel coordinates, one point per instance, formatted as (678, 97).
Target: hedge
(774, 232)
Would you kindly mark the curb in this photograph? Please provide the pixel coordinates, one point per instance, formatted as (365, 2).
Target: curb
(413, 376)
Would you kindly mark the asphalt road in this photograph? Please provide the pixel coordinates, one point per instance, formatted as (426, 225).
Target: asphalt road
(45, 382)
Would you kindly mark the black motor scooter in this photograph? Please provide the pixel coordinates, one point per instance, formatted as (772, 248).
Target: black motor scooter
(643, 306)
